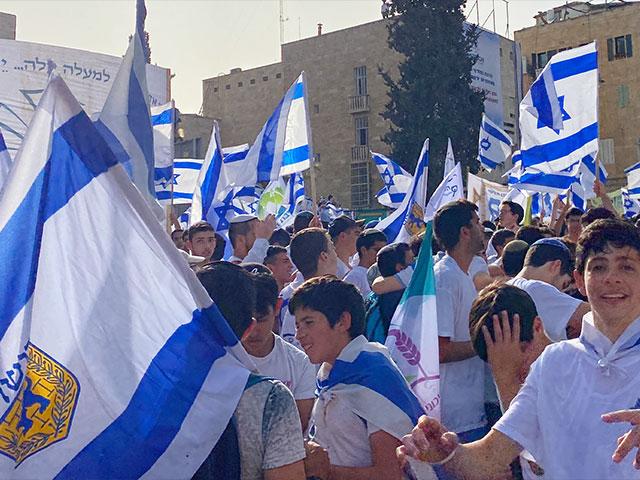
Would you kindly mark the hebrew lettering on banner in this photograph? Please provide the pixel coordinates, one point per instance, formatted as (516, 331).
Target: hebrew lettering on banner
(23, 77)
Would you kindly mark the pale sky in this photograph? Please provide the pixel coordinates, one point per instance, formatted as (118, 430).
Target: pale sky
(200, 39)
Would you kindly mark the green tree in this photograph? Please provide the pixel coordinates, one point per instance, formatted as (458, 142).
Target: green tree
(432, 95)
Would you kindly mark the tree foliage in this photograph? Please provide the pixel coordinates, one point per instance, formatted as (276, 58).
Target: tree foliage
(432, 95)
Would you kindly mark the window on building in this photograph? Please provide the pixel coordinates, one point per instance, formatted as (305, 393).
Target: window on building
(623, 96)
(362, 129)
(360, 185)
(361, 80)
(239, 84)
(215, 89)
(607, 151)
(265, 78)
(188, 148)
(316, 108)
(278, 75)
(542, 59)
(252, 81)
(317, 158)
(227, 87)
(619, 47)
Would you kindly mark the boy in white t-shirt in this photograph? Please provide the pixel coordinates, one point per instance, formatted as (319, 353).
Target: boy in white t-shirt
(561, 413)
(368, 244)
(546, 272)
(273, 356)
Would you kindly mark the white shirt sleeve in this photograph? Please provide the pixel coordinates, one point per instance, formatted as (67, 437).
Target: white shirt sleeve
(305, 388)
(521, 421)
(404, 276)
(257, 252)
(555, 309)
(445, 307)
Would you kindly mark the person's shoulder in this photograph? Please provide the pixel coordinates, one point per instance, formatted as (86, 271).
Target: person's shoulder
(291, 350)
(559, 353)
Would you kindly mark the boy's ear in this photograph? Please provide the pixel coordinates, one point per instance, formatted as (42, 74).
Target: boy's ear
(344, 322)
(538, 327)
(579, 279)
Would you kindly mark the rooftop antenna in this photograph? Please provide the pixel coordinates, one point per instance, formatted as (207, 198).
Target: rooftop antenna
(282, 20)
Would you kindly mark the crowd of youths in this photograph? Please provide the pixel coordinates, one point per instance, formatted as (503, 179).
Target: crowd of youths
(538, 332)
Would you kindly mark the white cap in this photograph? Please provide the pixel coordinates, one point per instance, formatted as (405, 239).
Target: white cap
(243, 217)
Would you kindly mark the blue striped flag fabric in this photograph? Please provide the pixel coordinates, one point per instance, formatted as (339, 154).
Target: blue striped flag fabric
(115, 362)
(5, 161)
(494, 144)
(633, 180)
(575, 76)
(408, 219)
(162, 121)
(397, 181)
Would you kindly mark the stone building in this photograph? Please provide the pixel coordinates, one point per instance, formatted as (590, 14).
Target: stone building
(345, 96)
(7, 26)
(614, 26)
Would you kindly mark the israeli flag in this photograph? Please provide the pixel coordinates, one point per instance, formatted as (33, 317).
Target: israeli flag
(397, 181)
(542, 102)
(5, 161)
(283, 146)
(294, 198)
(162, 121)
(181, 184)
(125, 121)
(575, 75)
(494, 144)
(408, 219)
(115, 362)
(630, 204)
(633, 180)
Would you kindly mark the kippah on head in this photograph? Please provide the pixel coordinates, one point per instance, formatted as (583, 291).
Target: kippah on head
(554, 242)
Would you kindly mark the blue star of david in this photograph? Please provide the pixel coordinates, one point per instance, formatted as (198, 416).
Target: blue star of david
(565, 115)
(222, 210)
(164, 182)
(299, 180)
(387, 177)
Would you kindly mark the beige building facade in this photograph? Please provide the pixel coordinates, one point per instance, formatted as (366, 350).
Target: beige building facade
(346, 95)
(7, 26)
(614, 26)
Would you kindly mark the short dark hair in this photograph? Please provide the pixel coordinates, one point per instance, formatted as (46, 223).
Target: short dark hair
(233, 290)
(305, 249)
(602, 233)
(368, 238)
(302, 220)
(266, 292)
(593, 214)
(313, 294)
(513, 257)
(541, 253)
(530, 234)
(178, 231)
(391, 255)
(450, 218)
(574, 212)
(221, 244)
(239, 229)
(500, 237)
(516, 209)
(272, 251)
(341, 224)
(491, 301)
(199, 227)
(489, 224)
(280, 237)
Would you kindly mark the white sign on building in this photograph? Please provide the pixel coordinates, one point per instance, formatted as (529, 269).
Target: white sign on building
(23, 78)
(486, 74)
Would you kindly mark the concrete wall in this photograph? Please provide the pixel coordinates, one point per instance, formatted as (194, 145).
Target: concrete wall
(619, 112)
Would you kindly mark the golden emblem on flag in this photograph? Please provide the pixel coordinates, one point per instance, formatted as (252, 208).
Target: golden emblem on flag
(414, 223)
(42, 411)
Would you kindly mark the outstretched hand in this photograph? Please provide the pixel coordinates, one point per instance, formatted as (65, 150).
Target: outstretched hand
(631, 439)
(429, 442)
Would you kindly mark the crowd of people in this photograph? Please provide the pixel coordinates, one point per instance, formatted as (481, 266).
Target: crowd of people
(538, 332)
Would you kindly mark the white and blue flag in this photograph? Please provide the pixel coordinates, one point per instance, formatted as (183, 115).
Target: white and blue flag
(450, 189)
(633, 180)
(449, 159)
(125, 121)
(283, 146)
(549, 150)
(408, 219)
(162, 122)
(630, 204)
(182, 181)
(5, 161)
(97, 379)
(543, 102)
(294, 197)
(494, 144)
(397, 181)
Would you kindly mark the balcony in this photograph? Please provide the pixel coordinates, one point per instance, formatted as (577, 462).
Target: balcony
(360, 153)
(358, 104)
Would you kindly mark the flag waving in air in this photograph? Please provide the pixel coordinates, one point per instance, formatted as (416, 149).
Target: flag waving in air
(114, 361)
(494, 144)
(413, 332)
(397, 181)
